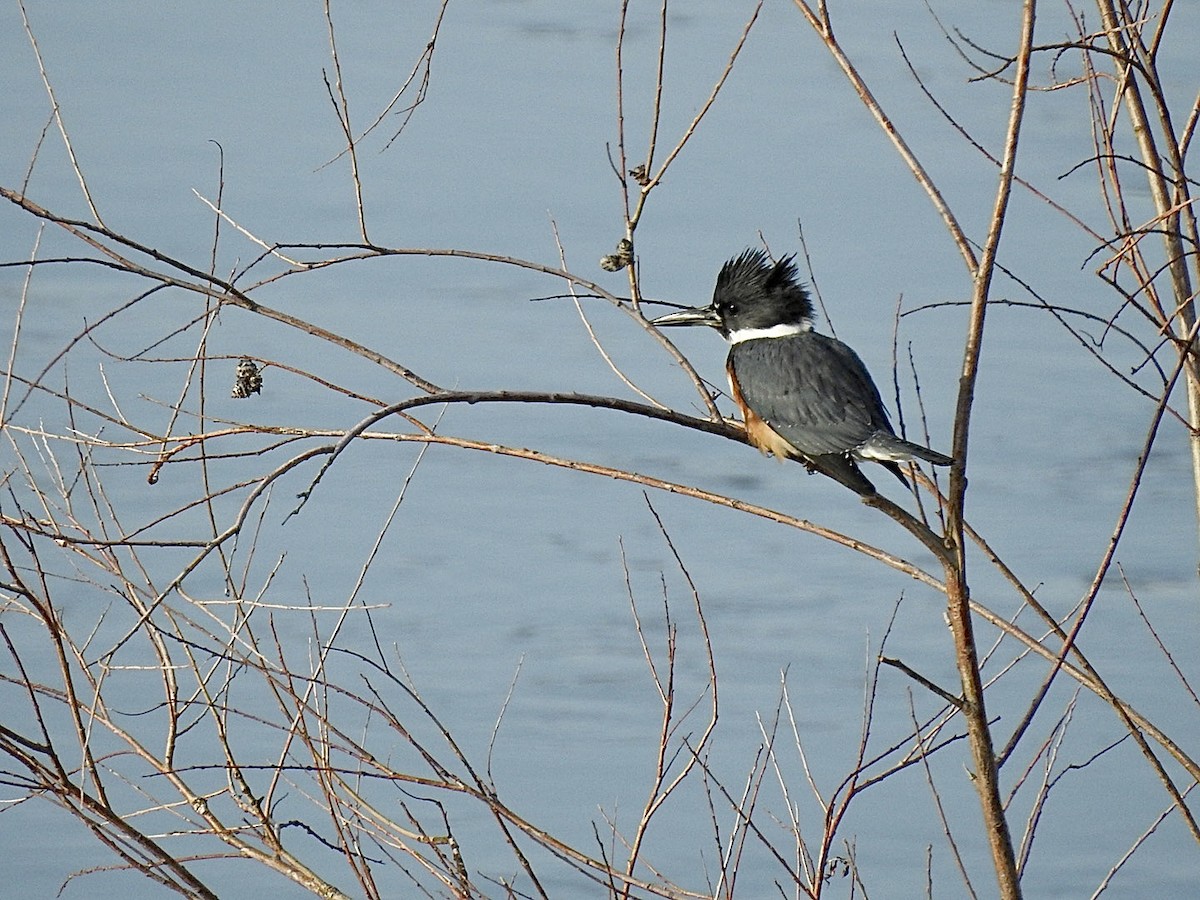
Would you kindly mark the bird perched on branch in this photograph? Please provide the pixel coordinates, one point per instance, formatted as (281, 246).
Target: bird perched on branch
(803, 395)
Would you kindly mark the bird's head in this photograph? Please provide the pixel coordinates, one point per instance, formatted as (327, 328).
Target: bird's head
(754, 297)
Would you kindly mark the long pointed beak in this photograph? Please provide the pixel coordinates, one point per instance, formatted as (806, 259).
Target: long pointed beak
(698, 316)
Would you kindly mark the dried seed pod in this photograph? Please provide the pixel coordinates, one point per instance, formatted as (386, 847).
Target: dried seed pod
(615, 262)
(247, 380)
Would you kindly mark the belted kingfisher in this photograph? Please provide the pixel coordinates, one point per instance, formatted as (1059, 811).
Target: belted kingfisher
(803, 395)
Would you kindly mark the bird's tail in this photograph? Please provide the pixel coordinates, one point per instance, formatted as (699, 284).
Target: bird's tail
(889, 448)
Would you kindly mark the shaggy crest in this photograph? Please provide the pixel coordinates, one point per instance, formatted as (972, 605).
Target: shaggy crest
(745, 280)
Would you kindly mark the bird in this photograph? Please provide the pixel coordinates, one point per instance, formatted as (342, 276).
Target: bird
(803, 395)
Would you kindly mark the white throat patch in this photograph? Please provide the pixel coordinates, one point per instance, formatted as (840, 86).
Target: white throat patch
(775, 331)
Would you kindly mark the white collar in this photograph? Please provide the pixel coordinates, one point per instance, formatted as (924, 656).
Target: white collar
(788, 329)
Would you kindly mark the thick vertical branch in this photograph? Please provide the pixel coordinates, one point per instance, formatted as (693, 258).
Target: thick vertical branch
(1170, 195)
(987, 772)
(981, 269)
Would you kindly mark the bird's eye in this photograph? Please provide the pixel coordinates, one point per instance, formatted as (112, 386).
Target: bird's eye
(728, 309)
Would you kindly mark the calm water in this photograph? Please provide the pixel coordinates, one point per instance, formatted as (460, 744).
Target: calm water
(496, 566)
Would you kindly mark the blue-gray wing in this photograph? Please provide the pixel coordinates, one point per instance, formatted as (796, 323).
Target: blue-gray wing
(812, 389)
